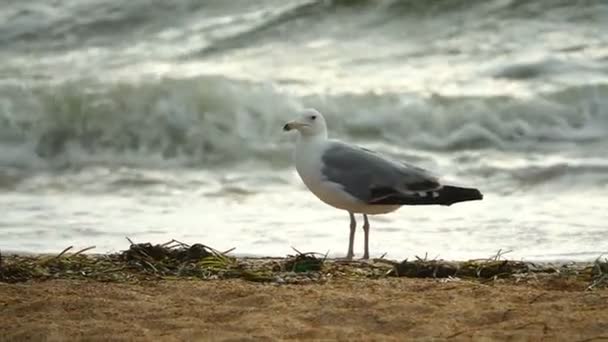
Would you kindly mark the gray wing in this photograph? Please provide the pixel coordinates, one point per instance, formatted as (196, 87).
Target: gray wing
(369, 176)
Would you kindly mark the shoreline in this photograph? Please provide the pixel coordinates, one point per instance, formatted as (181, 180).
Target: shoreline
(506, 255)
(177, 292)
(175, 259)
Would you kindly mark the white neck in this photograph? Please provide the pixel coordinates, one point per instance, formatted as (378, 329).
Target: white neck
(308, 155)
(306, 147)
(305, 139)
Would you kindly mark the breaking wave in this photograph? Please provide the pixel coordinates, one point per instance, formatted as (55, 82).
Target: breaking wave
(214, 120)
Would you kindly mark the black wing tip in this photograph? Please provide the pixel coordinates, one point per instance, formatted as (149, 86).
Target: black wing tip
(446, 196)
(454, 194)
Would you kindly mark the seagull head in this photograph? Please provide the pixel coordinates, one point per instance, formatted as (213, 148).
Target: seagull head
(309, 123)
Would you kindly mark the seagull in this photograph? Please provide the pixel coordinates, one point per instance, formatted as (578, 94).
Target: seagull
(361, 181)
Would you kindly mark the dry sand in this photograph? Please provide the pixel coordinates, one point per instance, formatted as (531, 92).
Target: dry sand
(391, 309)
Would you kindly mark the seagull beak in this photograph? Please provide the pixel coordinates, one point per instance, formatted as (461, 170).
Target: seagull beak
(293, 125)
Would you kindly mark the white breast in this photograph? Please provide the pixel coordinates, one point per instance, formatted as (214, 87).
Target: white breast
(309, 166)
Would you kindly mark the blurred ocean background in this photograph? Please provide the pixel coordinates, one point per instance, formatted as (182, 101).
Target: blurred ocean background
(160, 119)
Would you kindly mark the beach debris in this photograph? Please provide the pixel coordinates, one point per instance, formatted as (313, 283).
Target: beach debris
(304, 262)
(599, 273)
(490, 268)
(170, 250)
(140, 261)
(177, 260)
(41, 267)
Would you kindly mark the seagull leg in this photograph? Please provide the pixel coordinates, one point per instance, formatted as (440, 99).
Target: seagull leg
(366, 233)
(351, 238)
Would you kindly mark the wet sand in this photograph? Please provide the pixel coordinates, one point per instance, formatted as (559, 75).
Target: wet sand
(391, 309)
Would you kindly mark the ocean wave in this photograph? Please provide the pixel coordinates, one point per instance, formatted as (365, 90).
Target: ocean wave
(366, 16)
(213, 120)
(572, 175)
(198, 121)
(100, 22)
(76, 22)
(577, 114)
(258, 26)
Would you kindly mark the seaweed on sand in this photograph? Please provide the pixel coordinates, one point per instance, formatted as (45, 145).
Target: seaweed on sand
(140, 261)
(491, 268)
(22, 268)
(599, 273)
(304, 262)
(178, 260)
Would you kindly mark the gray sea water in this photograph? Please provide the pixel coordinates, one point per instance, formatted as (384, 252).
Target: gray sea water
(162, 120)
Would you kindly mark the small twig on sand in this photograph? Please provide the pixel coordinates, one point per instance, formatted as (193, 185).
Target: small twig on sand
(63, 252)
(426, 257)
(426, 254)
(130, 241)
(229, 250)
(307, 253)
(499, 254)
(456, 334)
(83, 250)
(178, 244)
(543, 324)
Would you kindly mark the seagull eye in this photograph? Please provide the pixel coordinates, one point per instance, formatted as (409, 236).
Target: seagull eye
(314, 117)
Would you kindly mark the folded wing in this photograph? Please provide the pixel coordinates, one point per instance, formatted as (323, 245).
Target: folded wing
(374, 179)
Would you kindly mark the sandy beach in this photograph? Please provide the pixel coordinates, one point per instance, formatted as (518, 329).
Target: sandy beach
(392, 309)
(179, 292)
(266, 129)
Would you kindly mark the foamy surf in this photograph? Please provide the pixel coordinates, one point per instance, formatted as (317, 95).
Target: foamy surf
(164, 121)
